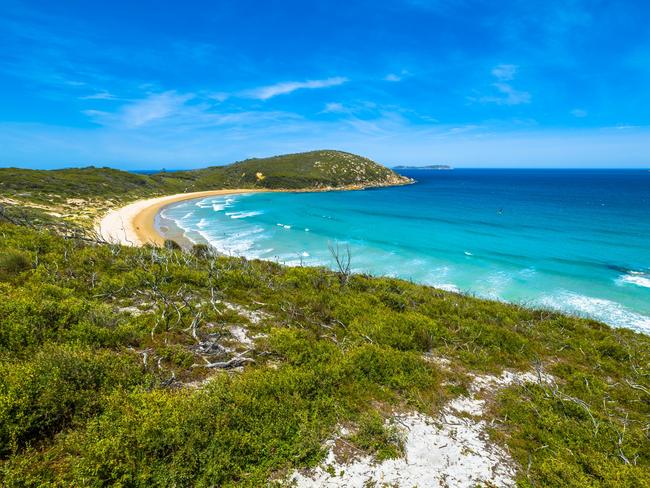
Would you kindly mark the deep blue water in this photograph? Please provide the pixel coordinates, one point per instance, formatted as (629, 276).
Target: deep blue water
(575, 240)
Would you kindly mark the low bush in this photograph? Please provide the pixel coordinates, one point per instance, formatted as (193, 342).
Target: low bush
(13, 262)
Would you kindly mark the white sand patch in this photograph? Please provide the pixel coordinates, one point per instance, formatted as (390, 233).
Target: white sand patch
(134, 311)
(117, 225)
(439, 361)
(253, 316)
(241, 335)
(452, 450)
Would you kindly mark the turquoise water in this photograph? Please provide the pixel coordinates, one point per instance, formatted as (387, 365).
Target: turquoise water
(577, 241)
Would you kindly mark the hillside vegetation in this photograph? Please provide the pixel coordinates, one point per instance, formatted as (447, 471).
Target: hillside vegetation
(155, 367)
(80, 195)
(315, 169)
(310, 170)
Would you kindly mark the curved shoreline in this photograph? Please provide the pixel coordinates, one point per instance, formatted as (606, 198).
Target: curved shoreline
(133, 224)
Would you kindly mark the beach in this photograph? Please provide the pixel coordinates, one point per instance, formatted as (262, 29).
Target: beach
(134, 224)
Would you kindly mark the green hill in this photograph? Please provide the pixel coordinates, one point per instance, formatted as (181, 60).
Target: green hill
(310, 170)
(315, 169)
(79, 195)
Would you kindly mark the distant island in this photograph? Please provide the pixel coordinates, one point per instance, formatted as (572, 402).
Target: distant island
(430, 166)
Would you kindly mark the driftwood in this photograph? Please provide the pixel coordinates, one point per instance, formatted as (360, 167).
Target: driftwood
(235, 362)
(231, 363)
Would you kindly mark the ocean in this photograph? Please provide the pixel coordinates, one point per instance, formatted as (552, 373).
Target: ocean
(572, 240)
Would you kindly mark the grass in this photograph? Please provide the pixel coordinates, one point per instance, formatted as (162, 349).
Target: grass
(103, 380)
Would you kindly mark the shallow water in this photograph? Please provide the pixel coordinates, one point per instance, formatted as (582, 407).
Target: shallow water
(575, 240)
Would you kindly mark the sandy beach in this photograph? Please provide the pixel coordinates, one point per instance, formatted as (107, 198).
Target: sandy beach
(133, 225)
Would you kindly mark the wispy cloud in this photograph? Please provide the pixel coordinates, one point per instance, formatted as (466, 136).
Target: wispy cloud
(334, 107)
(397, 76)
(270, 91)
(103, 95)
(142, 112)
(506, 93)
(578, 112)
(505, 72)
(172, 112)
(509, 95)
(219, 96)
(154, 108)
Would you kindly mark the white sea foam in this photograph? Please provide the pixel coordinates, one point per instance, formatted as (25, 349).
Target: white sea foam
(232, 245)
(186, 216)
(249, 231)
(183, 225)
(527, 273)
(634, 278)
(493, 285)
(284, 226)
(467, 253)
(260, 253)
(203, 223)
(205, 203)
(242, 215)
(607, 311)
(447, 287)
(218, 207)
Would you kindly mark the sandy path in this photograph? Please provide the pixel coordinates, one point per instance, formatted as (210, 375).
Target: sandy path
(133, 225)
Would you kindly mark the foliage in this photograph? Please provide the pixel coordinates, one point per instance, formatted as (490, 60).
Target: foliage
(171, 244)
(55, 185)
(103, 379)
(316, 169)
(375, 437)
(201, 250)
(13, 262)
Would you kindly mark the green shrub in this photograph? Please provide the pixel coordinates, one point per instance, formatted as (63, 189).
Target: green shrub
(201, 251)
(45, 394)
(13, 262)
(171, 245)
(375, 436)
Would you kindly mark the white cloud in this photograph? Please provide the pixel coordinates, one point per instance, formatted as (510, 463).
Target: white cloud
(153, 108)
(505, 72)
(578, 112)
(103, 95)
(145, 111)
(266, 92)
(393, 77)
(171, 113)
(507, 94)
(219, 96)
(334, 107)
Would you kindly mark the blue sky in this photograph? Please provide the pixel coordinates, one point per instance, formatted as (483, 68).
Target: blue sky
(184, 84)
